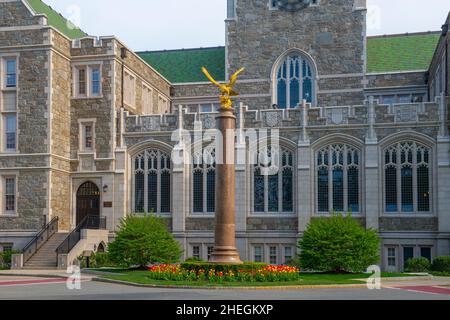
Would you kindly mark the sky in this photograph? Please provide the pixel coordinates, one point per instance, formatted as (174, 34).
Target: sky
(174, 24)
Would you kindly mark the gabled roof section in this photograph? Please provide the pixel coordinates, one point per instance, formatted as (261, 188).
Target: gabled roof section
(404, 52)
(184, 66)
(389, 53)
(56, 20)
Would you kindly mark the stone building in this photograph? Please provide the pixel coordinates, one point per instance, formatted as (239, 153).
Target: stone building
(89, 128)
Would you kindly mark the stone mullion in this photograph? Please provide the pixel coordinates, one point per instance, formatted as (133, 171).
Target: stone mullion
(205, 187)
(146, 173)
(288, 83)
(345, 177)
(266, 193)
(301, 79)
(158, 182)
(330, 181)
(399, 179)
(414, 177)
(280, 187)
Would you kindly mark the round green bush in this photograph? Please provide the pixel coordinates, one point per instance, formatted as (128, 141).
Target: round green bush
(338, 244)
(441, 264)
(417, 265)
(143, 240)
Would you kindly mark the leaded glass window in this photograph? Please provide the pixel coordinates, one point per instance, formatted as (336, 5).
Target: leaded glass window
(273, 190)
(204, 182)
(152, 182)
(338, 179)
(294, 82)
(407, 178)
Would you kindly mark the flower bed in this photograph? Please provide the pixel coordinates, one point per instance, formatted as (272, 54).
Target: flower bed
(268, 273)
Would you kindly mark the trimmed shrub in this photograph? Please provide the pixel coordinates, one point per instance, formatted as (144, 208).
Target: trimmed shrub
(338, 244)
(441, 264)
(143, 240)
(206, 267)
(5, 259)
(194, 259)
(98, 260)
(417, 265)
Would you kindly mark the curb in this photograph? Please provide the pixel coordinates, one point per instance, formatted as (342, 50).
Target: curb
(281, 288)
(41, 275)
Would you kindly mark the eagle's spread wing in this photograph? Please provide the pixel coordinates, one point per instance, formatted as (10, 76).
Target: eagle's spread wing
(233, 78)
(211, 78)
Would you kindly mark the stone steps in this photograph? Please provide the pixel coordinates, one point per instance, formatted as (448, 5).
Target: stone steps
(46, 257)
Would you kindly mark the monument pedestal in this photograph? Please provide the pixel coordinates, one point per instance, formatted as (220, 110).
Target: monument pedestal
(225, 233)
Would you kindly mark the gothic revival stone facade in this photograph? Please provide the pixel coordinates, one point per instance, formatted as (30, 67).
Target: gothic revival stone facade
(357, 134)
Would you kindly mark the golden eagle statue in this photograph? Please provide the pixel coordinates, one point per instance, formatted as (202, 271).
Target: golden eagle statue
(225, 89)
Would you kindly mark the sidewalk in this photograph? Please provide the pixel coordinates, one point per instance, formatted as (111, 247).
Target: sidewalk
(39, 273)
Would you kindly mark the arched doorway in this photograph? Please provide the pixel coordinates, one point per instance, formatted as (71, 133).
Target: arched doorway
(88, 201)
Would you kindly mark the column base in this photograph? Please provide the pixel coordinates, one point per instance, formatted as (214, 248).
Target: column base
(225, 255)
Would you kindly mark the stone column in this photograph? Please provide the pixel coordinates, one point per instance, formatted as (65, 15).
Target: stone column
(225, 233)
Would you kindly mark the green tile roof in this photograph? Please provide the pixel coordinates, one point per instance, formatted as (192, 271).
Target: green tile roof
(56, 20)
(391, 53)
(401, 52)
(181, 66)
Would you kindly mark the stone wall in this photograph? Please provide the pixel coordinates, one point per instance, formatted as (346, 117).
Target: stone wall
(33, 101)
(408, 224)
(402, 79)
(332, 33)
(99, 109)
(144, 73)
(61, 90)
(32, 186)
(61, 198)
(16, 14)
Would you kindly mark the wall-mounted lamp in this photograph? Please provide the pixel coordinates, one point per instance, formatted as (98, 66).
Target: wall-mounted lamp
(105, 188)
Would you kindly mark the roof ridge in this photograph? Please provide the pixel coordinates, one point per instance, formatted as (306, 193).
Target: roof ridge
(181, 50)
(41, 7)
(394, 35)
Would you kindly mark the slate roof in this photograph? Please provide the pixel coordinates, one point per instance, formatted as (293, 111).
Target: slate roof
(407, 52)
(181, 66)
(390, 53)
(56, 20)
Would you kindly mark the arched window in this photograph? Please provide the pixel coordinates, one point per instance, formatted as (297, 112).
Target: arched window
(407, 178)
(204, 182)
(273, 189)
(152, 170)
(294, 81)
(338, 179)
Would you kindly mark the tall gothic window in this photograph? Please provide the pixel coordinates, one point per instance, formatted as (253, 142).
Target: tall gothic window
(152, 171)
(204, 182)
(294, 82)
(338, 179)
(273, 188)
(407, 178)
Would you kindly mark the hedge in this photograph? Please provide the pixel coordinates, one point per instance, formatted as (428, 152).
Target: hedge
(441, 264)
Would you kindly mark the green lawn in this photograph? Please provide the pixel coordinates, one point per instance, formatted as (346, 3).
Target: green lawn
(141, 277)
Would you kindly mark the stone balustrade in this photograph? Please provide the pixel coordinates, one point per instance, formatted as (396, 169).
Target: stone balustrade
(431, 112)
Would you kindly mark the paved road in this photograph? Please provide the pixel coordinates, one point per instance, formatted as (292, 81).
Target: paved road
(12, 288)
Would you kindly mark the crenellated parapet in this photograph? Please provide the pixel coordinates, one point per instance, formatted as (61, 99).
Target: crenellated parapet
(92, 46)
(371, 113)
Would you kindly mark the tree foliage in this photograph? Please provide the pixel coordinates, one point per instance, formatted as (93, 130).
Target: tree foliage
(144, 240)
(338, 244)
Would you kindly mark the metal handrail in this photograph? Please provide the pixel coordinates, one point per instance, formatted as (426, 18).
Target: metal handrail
(40, 239)
(89, 222)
